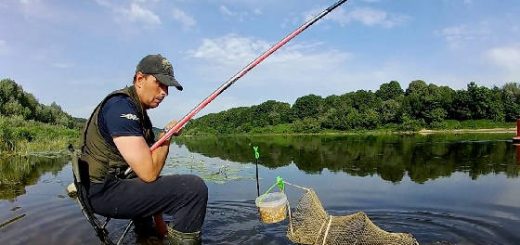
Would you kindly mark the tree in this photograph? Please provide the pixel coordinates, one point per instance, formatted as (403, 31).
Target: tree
(390, 111)
(420, 105)
(429, 103)
(370, 119)
(485, 103)
(364, 100)
(12, 108)
(390, 91)
(460, 108)
(308, 106)
(511, 101)
(307, 125)
(16, 102)
(336, 118)
(415, 99)
(272, 112)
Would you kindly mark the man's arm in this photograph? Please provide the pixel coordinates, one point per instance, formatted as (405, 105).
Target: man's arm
(146, 164)
(118, 123)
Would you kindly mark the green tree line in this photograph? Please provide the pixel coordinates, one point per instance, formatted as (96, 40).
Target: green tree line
(421, 105)
(15, 102)
(28, 126)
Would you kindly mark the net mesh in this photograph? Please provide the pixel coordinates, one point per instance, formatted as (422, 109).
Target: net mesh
(310, 224)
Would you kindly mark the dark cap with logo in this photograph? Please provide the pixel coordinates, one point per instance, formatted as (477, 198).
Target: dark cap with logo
(159, 67)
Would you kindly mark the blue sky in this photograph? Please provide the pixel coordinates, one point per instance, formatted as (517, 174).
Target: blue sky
(75, 52)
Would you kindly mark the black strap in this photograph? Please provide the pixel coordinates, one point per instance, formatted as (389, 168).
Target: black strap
(82, 183)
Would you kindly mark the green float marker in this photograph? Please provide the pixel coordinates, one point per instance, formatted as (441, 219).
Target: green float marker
(280, 183)
(257, 154)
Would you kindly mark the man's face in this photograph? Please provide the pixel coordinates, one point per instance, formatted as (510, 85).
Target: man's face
(152, 92)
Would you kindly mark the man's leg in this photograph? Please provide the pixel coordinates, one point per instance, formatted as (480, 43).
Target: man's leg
(184, 197)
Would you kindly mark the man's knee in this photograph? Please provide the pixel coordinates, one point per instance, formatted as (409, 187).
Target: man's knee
(188, 185)
(199, 187)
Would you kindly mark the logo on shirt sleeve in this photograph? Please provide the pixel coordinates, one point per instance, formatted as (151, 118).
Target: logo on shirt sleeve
(130, 116)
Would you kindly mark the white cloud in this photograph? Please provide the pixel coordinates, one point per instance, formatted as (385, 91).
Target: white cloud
(365, 16)
(238, 15)
(291, 72)
(507, 58)
(41, 10)
(257, 11)
(139, 14)
(135, 13)
(26, 1)
(229, 49)
(457, 36)
(372, 17)
(369, 17)
(235, 50)
(186, 20)
(299, 69)
(225, 11)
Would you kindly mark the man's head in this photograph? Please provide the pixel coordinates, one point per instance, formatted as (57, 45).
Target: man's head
(159, 67)
(153, 75)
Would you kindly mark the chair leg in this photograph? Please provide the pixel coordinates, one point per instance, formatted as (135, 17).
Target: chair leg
(125, 232)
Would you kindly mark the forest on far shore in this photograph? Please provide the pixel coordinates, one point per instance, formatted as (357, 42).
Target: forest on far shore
(26, 125)
(391, 107)
(29, 126)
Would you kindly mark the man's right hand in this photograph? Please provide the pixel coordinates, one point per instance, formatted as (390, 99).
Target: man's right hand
(171, 125)
(147, 165)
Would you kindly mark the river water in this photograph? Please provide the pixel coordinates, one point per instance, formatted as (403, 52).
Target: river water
(443, 189)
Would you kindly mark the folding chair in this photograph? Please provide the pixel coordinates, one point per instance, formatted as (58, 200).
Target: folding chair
(82, 183)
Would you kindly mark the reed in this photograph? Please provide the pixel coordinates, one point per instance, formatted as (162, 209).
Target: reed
(21, 137)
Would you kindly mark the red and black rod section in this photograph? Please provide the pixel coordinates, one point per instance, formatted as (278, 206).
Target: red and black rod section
(241, 73)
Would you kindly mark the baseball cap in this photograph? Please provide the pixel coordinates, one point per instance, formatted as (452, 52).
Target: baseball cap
(159, 67)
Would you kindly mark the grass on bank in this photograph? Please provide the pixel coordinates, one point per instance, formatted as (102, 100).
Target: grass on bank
(18, 136)
(446, 126)
(21, 137)
(476, 124)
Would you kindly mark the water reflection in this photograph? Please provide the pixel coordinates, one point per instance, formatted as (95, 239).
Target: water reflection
(18, 172)
(517, 146)
(450, 210)
(391, 157)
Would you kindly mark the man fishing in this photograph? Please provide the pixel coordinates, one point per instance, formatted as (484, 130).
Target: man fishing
(118, 135)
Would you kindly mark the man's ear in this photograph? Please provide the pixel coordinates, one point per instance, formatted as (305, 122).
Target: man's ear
(139, 79)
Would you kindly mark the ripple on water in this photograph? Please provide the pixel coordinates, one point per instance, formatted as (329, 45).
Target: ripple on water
(237, 222)
(50, 221)
(438, 227)
(59, 221)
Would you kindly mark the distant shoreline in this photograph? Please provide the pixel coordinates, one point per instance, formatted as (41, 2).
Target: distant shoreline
(378, 132)
(480, 130)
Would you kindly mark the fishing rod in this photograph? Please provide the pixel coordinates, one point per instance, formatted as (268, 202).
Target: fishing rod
(175, 129)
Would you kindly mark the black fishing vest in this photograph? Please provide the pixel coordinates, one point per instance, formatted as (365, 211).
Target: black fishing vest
(102, 157)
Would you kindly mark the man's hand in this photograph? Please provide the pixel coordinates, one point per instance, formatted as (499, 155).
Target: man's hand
(136, 152)
(169, 126)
